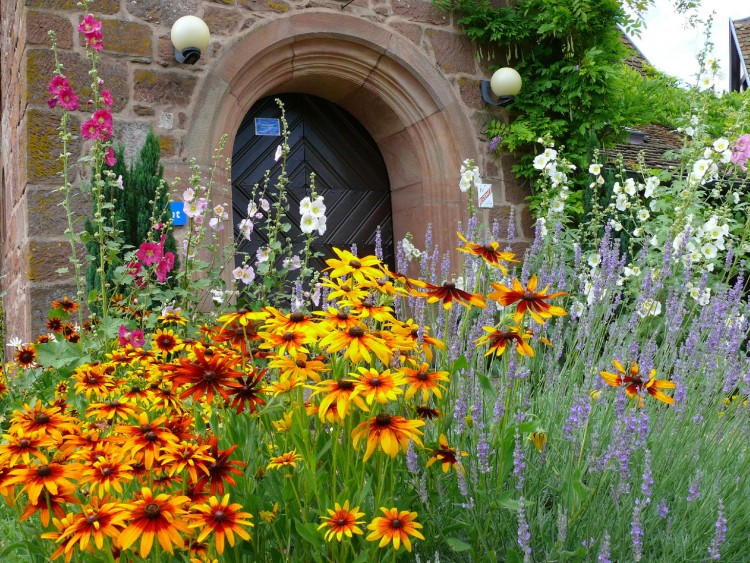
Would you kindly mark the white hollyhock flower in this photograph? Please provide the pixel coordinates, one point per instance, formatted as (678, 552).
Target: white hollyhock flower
(595, 169)
(643, 215)
(649, 307)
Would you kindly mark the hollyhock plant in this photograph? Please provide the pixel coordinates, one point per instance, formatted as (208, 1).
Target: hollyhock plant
(150, 253)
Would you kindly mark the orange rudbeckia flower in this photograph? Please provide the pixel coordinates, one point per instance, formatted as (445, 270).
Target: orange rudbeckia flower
(499, 340)
(221, 518)
(490, 253)
(636, 383)
(359, 342)
(528, 299)
(395, 527)
(159, 517)
(447, 293)
(342, 522)
(389, 433)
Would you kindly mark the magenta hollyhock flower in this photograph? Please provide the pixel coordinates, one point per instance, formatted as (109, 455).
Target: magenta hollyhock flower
(90, 130)
(95, 41)
(741, 152)
(110, 157)
(164, 267)
(67, 99)
(90, 25)
(57, 83)
(104, 118)
(124, 335)
(149, 253)
(134, 268)
(106, 98)
(136, 339)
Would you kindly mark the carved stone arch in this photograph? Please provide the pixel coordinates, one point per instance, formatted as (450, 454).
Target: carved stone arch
(376, 74)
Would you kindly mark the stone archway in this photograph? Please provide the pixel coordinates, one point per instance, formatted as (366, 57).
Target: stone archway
(406, 104)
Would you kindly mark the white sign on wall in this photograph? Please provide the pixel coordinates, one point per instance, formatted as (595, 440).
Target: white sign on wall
(484, 195)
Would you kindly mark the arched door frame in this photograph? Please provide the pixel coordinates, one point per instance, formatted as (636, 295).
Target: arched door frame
(399, 96)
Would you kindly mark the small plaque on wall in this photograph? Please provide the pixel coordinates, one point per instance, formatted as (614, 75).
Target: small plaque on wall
(267, 127)
(484, 195)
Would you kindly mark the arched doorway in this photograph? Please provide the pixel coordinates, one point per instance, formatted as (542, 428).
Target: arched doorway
(349, 171)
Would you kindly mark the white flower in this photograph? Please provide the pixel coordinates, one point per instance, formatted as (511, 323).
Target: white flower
(188, 195)
(264, 204)
(634, 271)
(651, 184)
(654, 241)
(558, 178)
(622, 203)
(542, 226)
(637, 232)
(709, 251)
(595, 169)
(617, 188)
(540, 161)
(220, 212)
(322, 225)
(119, 182)
(246, 275)
(689, 131)
(594, 259)
(293, 263)
(15, 342)
(459, 283)
(695, 256)
(706, 82)
(705, 297)
(643, 215)
(736, 197)
(317, 208)
(557, 205)
(278, 153)
(600, 180)
(216, 224)
(409, 250)
(304, 206)
(308, 223)
(217, 296)
(246, 228)
(630, 187)
(726, 156)
(616, 225)
(577, 309)
(707, 152)
(263, 254)
(192, 209)
(649, 307)
(551, 154)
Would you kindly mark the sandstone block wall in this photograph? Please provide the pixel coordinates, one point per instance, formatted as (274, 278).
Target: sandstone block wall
(152, 90)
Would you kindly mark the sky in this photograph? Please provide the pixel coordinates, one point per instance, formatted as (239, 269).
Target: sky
(672, 47)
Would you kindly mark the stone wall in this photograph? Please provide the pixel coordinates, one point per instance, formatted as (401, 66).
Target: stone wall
(152, 90)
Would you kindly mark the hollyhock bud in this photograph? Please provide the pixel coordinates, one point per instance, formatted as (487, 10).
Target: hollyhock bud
(110, 157)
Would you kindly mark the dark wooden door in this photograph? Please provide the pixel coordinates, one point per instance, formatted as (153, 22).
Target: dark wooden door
(349, 170)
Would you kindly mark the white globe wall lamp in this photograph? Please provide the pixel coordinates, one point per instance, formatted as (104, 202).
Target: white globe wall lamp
(190, 38)
(502, 88)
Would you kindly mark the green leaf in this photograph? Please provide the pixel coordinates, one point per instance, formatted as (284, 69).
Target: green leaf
(457, 545)
(308, 532)
(62, 270)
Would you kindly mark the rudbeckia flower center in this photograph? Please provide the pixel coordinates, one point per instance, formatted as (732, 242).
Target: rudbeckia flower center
(528, 295)
(301, 364)
(151, 436)
(341, 315)
(346, 287)
(356, 332)
(41, 419)
(341, 522)
(145, 428)
(396, 523)
(449, 285)
(355, 263)
(375, 382)
(296, 317)
(152, 511)
(383, 419)
(106, 471)
(92, 519)
(368, 303)
(24, 443)
(422, 375)
(209, 375)
(488, 248)
(219, 516)
(288, 336)
(92, 380)
(344, 384)
(44, 471)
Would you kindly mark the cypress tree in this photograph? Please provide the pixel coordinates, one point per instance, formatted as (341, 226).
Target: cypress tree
(131, 210)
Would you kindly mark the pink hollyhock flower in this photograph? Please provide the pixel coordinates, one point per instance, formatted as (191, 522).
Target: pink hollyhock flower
(110, 157)
(149, 253)
(67, 99)
(95, 41)
(90, 25)
(104, 118)
(124, 335)
(136, 339)
(106, 98)
(134, 268)
(57, 83)
(164, 267)
(90, 130)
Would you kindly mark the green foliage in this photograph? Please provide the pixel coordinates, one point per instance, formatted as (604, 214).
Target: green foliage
(130, 212)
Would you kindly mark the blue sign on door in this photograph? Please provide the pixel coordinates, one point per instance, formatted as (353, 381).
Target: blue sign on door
(267, 126)
(179, 218)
